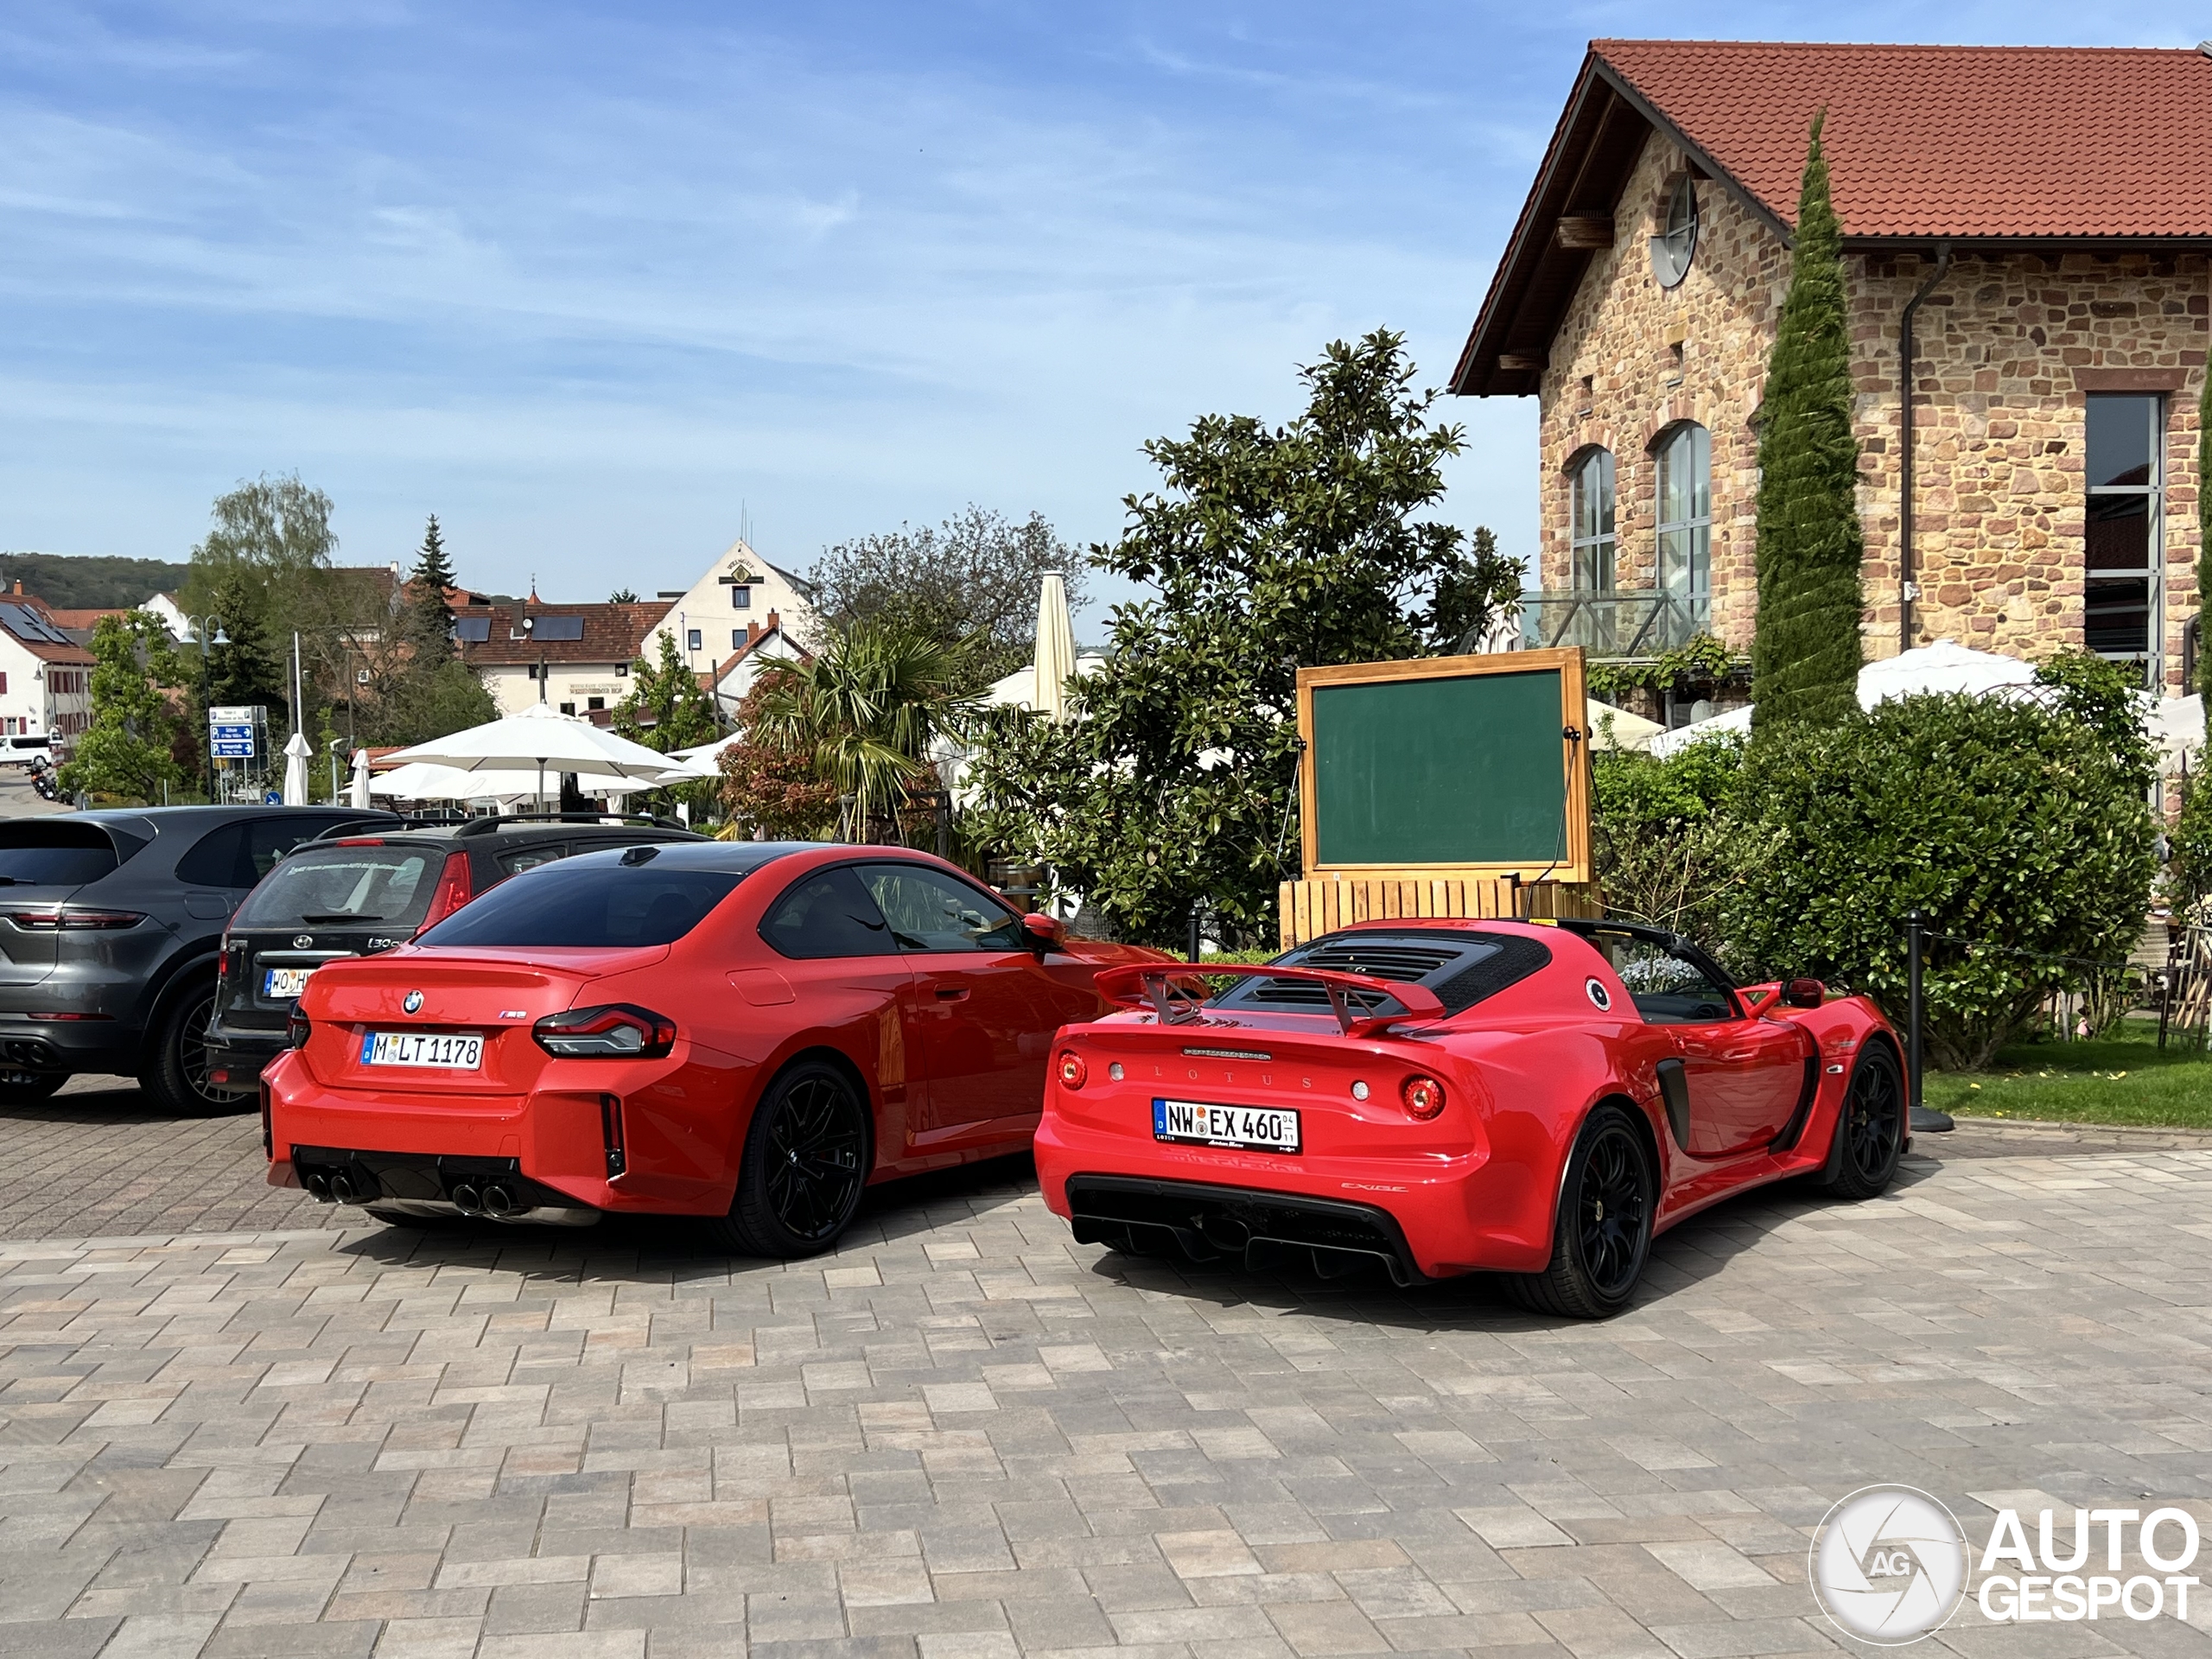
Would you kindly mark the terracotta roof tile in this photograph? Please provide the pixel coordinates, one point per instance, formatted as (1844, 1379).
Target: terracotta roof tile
(610, 633)
(1963, 141)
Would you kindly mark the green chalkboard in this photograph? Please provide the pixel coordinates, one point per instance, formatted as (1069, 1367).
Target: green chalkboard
(1460, 771)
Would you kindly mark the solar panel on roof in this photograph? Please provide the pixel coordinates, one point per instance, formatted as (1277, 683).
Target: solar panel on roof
(27, 623)
(559, 628)
(473, 629)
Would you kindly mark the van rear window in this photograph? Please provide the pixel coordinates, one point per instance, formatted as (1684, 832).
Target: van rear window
(331, 886)
(587, 904)
(54, 855)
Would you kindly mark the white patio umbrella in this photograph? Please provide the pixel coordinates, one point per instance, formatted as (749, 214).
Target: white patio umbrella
(1616, 728)
(543, 739)
(424, 780)
(1941, 667)
(1055, 658)
(358, 794)
(296, 751)
(2176, 726)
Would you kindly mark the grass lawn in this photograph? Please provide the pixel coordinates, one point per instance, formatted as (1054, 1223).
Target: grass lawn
(2122, 1078)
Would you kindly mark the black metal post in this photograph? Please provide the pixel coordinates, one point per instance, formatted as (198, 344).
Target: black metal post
(1194, 930)
(1914, 923)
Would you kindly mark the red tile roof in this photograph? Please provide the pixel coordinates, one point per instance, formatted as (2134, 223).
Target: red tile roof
(1954, 141)
(611, 633)
(2045, 146)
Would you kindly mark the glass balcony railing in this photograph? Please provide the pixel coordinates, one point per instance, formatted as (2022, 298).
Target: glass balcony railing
(1640, 622)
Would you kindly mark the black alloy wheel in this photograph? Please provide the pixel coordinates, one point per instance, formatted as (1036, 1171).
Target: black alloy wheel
(806, 1160)
(1602, 1233)
(177, 1078)
(1870, 1126)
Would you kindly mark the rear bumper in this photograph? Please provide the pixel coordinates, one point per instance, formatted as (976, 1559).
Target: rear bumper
(1432, 1218)
(1252, 1228)
(428, 1183)
(71, 1046)
(577, 1147)
(235, 1057)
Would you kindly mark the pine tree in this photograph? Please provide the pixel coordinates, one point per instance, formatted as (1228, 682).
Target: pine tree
(1806, 654)
(429, 619)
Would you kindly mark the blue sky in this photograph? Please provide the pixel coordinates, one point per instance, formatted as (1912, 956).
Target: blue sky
(591, 282)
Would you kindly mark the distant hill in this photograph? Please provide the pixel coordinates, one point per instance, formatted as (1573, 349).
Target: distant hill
(93, 581)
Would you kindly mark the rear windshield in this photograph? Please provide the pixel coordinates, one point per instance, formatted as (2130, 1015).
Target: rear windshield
(330, 886)
(587, 906)
(57, 856)
(1461, 967)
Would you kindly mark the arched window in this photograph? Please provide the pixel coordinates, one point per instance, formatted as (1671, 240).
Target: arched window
(1593, 535)
(1685, 527)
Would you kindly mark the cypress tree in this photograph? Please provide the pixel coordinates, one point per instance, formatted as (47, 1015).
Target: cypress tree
(1806, 654)
(430, 617)
(2204, 551)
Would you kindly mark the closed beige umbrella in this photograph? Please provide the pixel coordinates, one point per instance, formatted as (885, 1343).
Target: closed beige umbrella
(1055, 648)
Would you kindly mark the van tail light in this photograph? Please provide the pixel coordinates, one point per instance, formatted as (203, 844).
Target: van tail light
(1073, 1073)
(618, 1031)
(1423, 1096)
(454, 890)
(53, 919)
(297, 1028)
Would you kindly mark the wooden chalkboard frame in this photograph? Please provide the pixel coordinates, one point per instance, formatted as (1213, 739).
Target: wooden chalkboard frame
(1573, 866)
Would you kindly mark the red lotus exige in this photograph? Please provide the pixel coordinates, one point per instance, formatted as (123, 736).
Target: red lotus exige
(745, 1031)
(1457, 1096)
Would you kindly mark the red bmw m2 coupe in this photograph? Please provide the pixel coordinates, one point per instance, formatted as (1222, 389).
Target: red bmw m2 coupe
(747, 1031)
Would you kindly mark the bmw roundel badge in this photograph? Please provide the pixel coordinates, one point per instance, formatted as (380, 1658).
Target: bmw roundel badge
(413, 1003)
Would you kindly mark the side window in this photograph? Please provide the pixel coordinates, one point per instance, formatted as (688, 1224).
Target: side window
(267, 840)
(529, 858)
(1666, 990)
(214, 859)
(929, 912)
(827, 914)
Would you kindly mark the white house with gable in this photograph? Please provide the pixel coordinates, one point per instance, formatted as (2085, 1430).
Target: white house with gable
(707, 620)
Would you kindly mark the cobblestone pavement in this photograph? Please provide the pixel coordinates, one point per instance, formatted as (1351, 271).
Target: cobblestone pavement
(963, 1435)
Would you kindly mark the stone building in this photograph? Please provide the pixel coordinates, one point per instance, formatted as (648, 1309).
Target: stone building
(2025, 232)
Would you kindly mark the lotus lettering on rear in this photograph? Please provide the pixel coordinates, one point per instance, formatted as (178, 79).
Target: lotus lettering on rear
(412, 1003)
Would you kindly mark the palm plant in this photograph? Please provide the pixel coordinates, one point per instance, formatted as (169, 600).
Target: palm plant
(870, 708)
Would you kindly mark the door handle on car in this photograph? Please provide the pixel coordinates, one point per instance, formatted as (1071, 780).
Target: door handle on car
(950, 993)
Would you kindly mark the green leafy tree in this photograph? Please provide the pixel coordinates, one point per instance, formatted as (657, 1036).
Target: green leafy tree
(872, 709)
(1806, 653)
(428, 622)
(267, 556)
(425, 703)
(667, 708)
(772, 790)
(1665, 836)
(976, 577)
(1271, 547)
(2191, 875)
(129, 748)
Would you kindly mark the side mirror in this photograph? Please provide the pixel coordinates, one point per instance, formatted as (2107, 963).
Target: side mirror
(1804, 992)
(1045, 933)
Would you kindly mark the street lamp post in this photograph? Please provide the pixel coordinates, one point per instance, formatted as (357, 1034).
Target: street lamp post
(201, 627)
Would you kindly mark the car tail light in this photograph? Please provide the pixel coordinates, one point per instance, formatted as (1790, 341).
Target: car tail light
(223, 962)
(61, 918)
(297, 1028)
(1424, 1096)
(618, 1031)
(356, 841)
(1073, 1073)
(454, 889)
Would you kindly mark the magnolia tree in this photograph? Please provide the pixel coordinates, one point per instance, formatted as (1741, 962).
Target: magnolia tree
(1269, 549)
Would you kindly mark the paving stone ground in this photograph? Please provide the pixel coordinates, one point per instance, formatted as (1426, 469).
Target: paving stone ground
(963, 1435)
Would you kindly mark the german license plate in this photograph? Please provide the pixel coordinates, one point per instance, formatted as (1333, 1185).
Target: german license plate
(443, 1050)
(1246, 1128)
(284, 981)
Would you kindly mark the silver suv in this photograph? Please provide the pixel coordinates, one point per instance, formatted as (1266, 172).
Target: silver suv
(110, 925)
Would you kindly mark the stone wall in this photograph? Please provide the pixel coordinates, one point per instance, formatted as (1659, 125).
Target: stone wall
(1632, 359)
(2009, 345)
